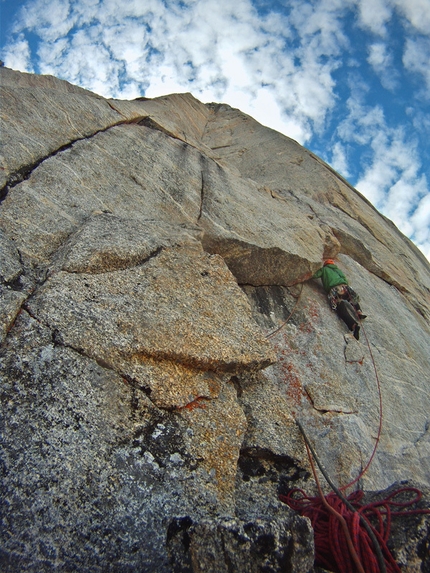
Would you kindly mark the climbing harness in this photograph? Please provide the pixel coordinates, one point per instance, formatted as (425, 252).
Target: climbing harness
(345, 540)
(343, 291)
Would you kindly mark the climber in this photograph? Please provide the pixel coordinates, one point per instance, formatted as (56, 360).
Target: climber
(336, 286)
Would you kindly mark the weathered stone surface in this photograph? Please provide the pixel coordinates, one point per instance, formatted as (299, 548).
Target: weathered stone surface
(10, 304)
(10, 265)
(107, 243)
(186, 119)
(63, 416)
(170, 325)
(10, 271)
(231, 545)
(329, 383)
(150, 250)
(112, 172)
(91, 469)
(40, 115)
(249, 228)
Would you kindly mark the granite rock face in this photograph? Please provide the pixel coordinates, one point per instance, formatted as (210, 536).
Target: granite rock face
(149, 251)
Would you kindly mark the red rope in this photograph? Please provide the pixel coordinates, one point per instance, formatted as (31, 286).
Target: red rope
(331, 544)
(378, 437)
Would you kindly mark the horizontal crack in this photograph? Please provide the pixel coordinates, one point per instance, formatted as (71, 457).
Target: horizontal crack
(266, 454)
(203, 365)
(328, 410)
(58, 340)
(121, 266)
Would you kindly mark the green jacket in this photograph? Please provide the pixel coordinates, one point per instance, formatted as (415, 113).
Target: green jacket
(331, 276)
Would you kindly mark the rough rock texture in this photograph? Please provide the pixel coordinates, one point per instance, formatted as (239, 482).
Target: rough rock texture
(410, 535)
(149, 250)
(224, 545)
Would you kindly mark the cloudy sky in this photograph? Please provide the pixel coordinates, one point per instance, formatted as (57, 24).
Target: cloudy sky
(348, 79)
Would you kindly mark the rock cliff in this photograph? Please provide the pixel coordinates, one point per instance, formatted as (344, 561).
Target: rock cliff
(149, 249)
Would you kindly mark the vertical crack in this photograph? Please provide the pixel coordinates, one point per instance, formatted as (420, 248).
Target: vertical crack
(202, 196)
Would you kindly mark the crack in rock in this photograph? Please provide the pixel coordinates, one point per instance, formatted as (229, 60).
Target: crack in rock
(24, 173)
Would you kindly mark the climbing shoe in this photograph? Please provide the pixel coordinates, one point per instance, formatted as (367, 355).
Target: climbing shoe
(357, 332)
(361, 316)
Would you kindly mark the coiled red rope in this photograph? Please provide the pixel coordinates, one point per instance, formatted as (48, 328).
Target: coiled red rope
(332, 550)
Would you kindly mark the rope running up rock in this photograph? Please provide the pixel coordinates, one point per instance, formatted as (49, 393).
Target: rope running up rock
(345, 540)
(289, 316)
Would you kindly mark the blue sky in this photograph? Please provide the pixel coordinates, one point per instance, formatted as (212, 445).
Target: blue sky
(348, 79)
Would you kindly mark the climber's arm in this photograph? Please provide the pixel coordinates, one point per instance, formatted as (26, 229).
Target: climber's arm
(318, 274)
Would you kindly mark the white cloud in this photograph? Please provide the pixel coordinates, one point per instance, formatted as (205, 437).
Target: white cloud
(416, 58)
(377, 55)
(363, 123)
(391, 169)
(420, 221)
(401, 200)
(319, 24)
(392, 182)
(377, 177)
(394, 160)
(85, 60)
(417, 13)
(18, 56)
(51, 18)
(339, 160)
(406, 202)
(374, 14)
(382, 62)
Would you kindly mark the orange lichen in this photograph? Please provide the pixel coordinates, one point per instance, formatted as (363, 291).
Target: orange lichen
(294, 387)
(288, 373)
(313, 309)
(199, 402)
